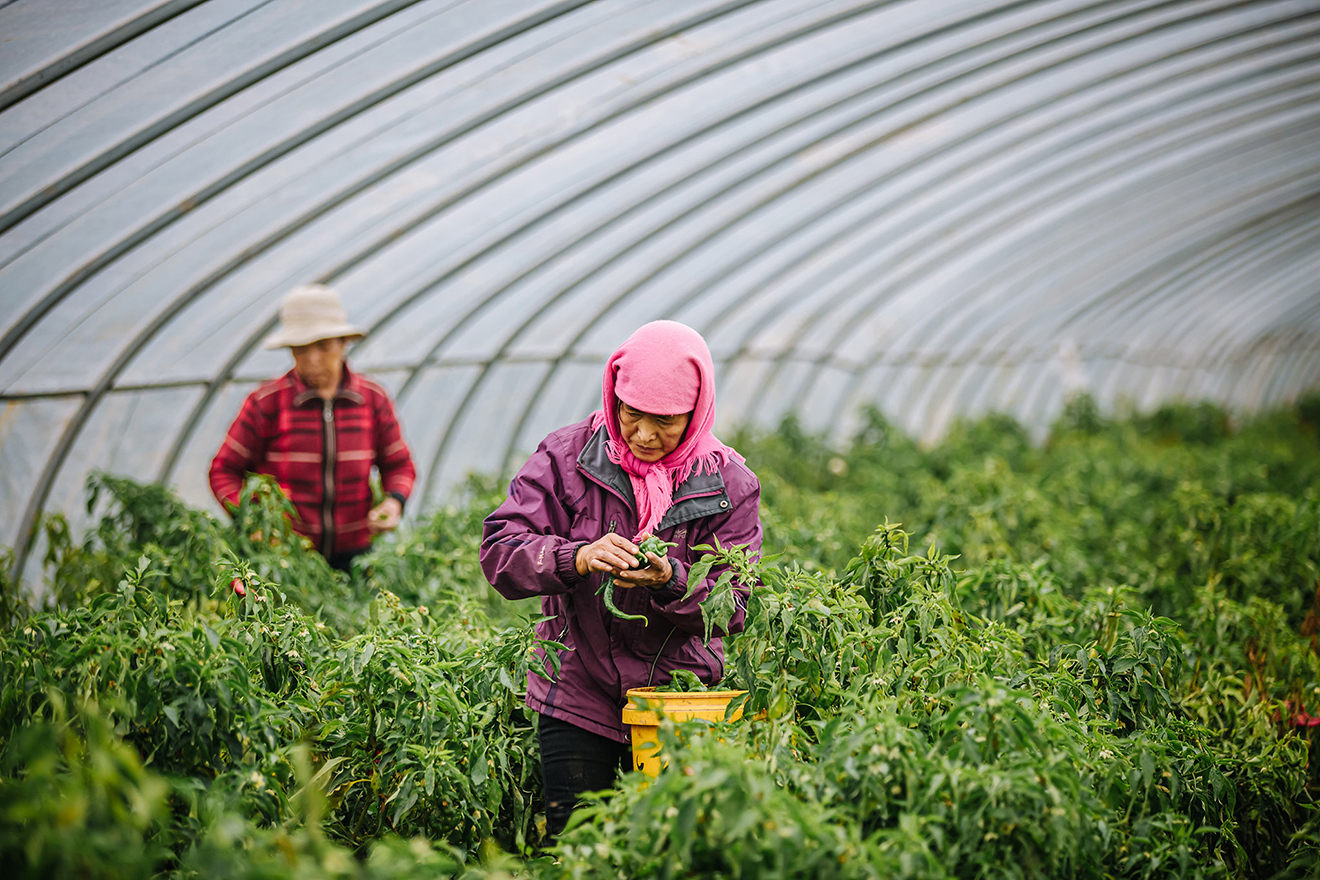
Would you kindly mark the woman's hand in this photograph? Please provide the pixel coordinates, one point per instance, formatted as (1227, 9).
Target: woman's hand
(618, 556)
(656, 574)
(384, 517)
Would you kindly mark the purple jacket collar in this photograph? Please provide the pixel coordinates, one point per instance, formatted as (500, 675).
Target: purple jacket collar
(697, 496)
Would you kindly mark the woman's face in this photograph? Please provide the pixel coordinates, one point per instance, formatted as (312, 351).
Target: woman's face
(321, 364)
(651, 437)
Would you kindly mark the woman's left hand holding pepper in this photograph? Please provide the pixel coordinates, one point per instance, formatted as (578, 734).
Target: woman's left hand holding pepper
(657, 574)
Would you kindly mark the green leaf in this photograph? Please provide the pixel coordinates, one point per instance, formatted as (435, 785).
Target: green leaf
(1147, 762)
(698, 573)
(718, 608)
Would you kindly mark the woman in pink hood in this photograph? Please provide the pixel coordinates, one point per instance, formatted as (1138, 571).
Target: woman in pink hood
(646, 463)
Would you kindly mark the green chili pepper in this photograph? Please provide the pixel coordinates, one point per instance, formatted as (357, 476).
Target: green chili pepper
(682, 682)
(606, 592)
(652, 544)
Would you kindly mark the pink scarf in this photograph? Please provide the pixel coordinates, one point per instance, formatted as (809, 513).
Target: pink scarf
(664, 368)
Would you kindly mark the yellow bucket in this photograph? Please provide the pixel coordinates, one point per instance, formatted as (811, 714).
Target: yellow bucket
(645, 707)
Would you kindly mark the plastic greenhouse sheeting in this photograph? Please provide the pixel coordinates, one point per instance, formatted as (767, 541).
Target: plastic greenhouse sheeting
(939, 207)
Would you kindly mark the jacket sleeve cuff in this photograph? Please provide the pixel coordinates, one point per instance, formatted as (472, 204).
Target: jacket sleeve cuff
(399, 497)
(673, 589)
(566, 561)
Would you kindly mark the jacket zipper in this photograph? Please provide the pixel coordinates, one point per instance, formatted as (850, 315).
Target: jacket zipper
(328, 478)
(650, 676)
(609, 618)
(719, 664)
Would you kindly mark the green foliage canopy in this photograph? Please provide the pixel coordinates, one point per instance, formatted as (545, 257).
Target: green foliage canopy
(1093, 667)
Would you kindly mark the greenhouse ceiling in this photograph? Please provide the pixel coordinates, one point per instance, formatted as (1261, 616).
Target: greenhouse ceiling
(939, 207)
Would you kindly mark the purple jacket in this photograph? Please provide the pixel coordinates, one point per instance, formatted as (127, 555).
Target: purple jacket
(568, 494)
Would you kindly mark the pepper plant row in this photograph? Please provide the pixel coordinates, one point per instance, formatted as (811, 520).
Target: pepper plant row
(1097, 664)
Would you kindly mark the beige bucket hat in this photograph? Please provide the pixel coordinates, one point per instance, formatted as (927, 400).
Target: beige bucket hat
(310, 313)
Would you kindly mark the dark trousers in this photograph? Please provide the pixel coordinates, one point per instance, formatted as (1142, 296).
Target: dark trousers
(574, 760)
(344, 561)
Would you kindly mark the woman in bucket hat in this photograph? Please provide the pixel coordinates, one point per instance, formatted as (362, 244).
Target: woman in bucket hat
(646, 463)
(318, 430)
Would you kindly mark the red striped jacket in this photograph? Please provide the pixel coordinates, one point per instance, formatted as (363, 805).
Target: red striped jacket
(284, 430)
